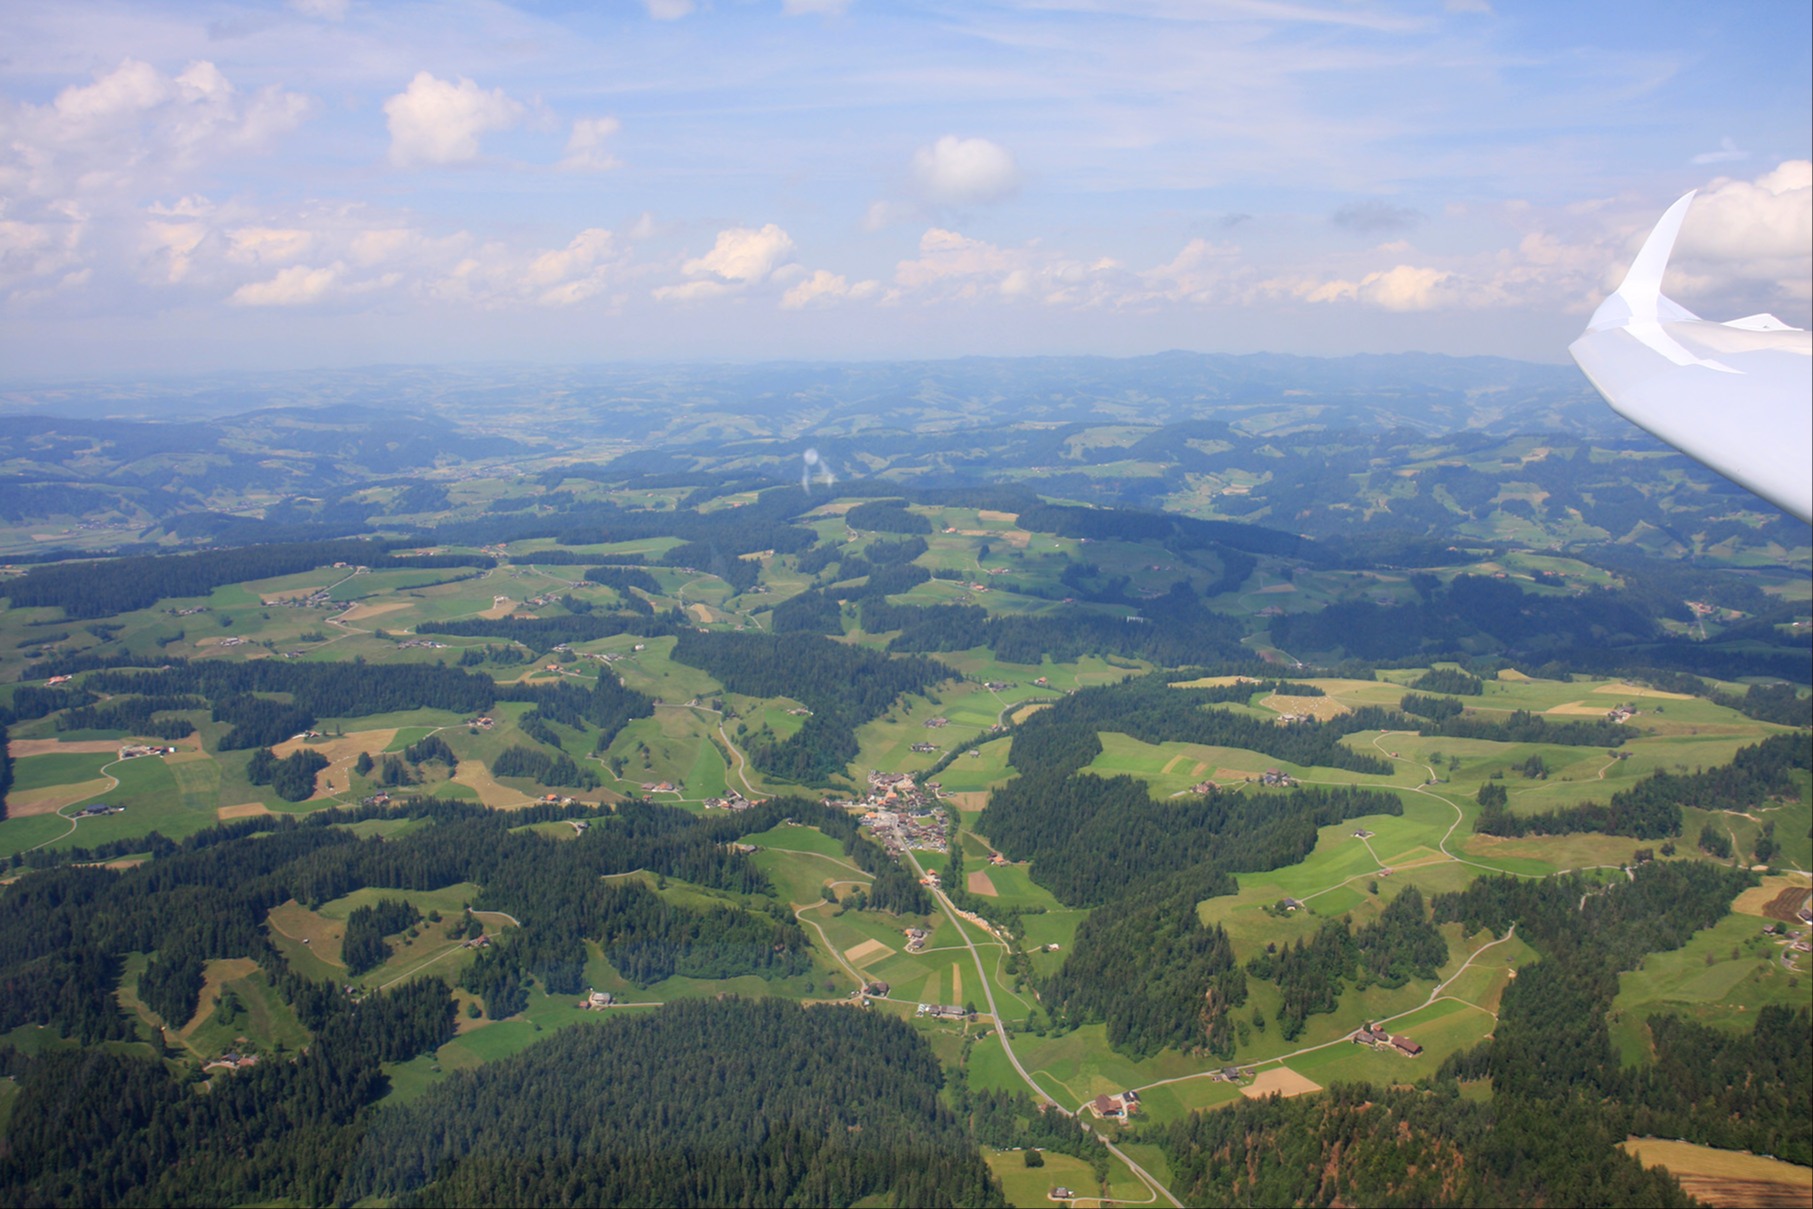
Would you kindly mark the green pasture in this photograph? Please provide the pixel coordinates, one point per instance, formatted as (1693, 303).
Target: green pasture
(59, 768)
(1720, 977)
(154, 801)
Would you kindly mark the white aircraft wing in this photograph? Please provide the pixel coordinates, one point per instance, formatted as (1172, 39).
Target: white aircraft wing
(1736, 396)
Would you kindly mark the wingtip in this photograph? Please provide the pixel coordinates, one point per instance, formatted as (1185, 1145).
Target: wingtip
(1642, 286)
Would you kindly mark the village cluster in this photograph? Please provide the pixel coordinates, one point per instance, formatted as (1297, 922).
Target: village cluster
(903, 814)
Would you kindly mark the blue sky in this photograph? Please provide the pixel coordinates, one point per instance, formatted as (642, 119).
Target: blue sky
(333, 182)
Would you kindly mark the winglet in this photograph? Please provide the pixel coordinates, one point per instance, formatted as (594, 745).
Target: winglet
(1640, 298)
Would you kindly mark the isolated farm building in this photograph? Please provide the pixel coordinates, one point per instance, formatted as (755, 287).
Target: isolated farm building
(1104, 1107)
(1406, 1046)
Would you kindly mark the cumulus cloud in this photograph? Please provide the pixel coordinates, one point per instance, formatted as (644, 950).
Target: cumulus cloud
(954, 266)
(585, 146)
(958, 171)
(1375, 218)
(1727, 153)
(1402, 288)
(825, 286)
(294, 286)
(74, 172)
(744, 255)
(1759, 230)
(436, 121)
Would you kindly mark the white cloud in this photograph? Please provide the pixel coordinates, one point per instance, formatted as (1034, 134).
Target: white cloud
(1760, 230)
(743, 255)
(1199, 273)
(1468, 6)
(808, 8)
(956, 171)
(669, 10)
(294, 286)
(267, 245)
(1727, 153)
(435, 121)
(824, 285)
(585, 147)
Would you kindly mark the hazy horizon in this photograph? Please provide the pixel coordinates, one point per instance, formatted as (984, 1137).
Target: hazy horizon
(328, 184)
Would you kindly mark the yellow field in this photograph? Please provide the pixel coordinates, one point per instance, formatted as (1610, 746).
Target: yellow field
(340, 747)
(246, 810)
(1753, 900)
(1320, 708)
(18, 749)
(53, 798)
(490, 791)
(365, 612)
(1585, 709)
(1727, 1177)
(1632, 690)
(868, 951)
(1281, 1080)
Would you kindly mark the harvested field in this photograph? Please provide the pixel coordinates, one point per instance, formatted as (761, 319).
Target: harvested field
(1026, 711)
(1727, 1177)
(1634, 690)
(974, 799)
(1228, 774)
(956, 983)
(491, 792)
(1512, 674)
(979, 883)
(245, 810)
(18, 749)
(1778, 893)
(1277, 589)
(867, 952)
(701, 614)
(1280, 1080)
(340, 747)
(1319, 708)
(1000, 518)
(53, 798)
(1584, 709)
(365, 612)
(501, 606)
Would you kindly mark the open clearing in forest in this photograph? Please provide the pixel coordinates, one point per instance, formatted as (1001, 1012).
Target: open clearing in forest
(1281, 1080)
(216, 974)
(1726, 1177)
